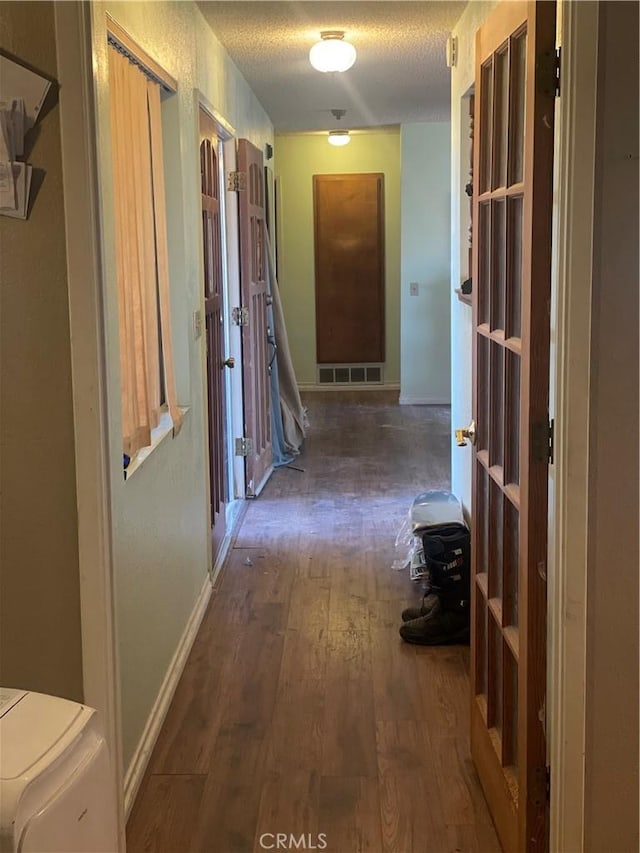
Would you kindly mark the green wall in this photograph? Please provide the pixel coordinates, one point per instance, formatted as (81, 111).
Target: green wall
(426, 224)
(297, 159)
(161, 537)
(462, 78)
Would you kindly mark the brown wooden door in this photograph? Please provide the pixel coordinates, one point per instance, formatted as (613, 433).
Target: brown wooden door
(253, 288)
(212, 241)
(513, 157)
(349, 257)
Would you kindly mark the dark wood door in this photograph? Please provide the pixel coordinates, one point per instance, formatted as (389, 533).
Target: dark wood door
(214, 325)
(349, 258)
(253, 288)
(513, 160)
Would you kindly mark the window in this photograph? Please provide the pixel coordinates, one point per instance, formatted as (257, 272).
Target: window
(146, 350)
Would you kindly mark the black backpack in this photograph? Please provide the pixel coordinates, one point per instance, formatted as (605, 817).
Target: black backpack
(447, 554)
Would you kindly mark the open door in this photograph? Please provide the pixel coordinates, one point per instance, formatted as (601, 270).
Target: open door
(253, 288)
(512, 186)
(212, 242)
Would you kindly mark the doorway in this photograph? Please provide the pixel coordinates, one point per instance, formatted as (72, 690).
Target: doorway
(223, 349)
(211, 182)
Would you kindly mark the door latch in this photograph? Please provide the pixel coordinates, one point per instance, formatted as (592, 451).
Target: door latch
(466, 433)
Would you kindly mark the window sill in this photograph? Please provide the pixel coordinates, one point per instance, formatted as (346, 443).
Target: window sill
(158, 435)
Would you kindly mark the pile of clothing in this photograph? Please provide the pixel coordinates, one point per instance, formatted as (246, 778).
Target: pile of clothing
(440, 562)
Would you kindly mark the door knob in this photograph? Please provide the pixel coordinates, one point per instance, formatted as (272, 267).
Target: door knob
(467, 433)
(229, 362)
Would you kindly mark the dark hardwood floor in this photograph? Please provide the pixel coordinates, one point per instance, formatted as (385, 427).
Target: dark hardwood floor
(300, 710)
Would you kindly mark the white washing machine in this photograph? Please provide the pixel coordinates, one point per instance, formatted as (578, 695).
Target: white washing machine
(55, 782)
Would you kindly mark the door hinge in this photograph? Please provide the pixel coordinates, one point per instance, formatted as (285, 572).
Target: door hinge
(236, 181)
(240, 316)
(558, 71)
(542, 441)
(548, 72)
(244, 446)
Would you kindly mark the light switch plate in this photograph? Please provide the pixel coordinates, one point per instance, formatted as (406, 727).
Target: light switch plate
(197, 324)
(413, 288)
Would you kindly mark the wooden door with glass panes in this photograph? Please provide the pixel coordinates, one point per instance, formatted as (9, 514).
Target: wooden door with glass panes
(513, 158)
(255, 333)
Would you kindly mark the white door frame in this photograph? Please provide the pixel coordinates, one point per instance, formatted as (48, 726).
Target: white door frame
(232, 334)
(236, 410)
(88, 364)
(571, 334)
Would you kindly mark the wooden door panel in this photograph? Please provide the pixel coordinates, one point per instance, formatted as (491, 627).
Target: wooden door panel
(253, 287)
(212, 243)
(349, 267)
(513, 158)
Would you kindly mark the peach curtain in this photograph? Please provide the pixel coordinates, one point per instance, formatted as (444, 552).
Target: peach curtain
(141, 249)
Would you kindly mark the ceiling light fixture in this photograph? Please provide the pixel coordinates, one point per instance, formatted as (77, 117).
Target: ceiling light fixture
(332, 52)
(339, 137)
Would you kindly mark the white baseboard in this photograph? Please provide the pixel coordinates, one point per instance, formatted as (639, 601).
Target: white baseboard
(413, 400)
(135, 771)
(234, 516)
(349, 386)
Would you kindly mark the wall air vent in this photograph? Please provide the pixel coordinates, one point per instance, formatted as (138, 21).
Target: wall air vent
(350, 374)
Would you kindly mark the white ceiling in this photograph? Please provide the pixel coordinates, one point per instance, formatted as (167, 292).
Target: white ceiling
(399, 76)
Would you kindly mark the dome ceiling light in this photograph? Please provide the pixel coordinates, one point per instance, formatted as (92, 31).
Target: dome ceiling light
(339, 137)
(332, 52)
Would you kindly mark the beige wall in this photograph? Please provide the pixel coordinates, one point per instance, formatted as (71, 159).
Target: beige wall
(297, 159)
(40, 642)
(611, 749)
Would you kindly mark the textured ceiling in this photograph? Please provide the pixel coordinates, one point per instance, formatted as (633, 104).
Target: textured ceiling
(399, 76)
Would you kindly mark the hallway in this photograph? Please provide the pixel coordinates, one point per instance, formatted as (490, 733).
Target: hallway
(300, 711)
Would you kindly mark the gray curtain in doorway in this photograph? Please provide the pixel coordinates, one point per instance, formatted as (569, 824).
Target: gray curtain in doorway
(294, 416)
